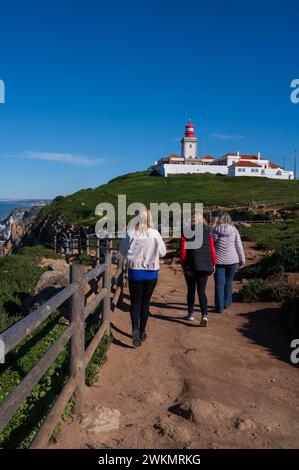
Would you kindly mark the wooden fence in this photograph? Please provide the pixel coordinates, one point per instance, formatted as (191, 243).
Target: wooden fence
(79, 358)
(77, 245)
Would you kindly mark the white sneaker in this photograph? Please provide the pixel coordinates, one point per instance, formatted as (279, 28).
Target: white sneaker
(190, 317)
(204, 322)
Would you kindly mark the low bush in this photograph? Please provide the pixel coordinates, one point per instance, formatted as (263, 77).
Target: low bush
(285, 259)
(270, 236)
(86, 260)
(258, 290)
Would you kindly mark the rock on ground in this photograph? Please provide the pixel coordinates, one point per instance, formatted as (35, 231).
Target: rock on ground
(100, 420)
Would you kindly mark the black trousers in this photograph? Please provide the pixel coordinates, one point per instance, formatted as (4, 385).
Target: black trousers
(197, 280)
(140, 293)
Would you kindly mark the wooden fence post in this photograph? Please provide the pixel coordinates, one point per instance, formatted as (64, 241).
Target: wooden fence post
(98, 255)
(77, 367)
(87, 245)
(107, 284)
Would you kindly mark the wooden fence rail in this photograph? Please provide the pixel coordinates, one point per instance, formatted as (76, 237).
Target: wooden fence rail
(79, 358)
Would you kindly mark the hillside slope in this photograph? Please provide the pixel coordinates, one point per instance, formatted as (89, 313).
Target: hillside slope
(142, 187)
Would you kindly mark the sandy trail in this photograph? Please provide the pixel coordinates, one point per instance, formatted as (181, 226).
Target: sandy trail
(236, 372)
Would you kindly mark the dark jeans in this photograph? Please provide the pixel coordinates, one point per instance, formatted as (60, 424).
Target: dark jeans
(140, 293)
(197, 279)
(224, 276)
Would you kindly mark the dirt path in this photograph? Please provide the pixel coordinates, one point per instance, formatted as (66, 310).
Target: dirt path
(229, 385)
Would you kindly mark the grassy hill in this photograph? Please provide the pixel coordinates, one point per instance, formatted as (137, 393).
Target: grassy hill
(209, 189)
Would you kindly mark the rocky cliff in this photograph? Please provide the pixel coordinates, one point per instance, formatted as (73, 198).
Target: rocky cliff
(15, 227)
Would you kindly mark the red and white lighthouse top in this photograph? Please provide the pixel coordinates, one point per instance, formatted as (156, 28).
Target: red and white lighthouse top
(189, 130)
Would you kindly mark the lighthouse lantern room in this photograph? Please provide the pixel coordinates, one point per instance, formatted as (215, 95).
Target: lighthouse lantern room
(189, 142)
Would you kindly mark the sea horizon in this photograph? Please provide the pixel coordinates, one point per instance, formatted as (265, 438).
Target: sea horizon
(8, 205)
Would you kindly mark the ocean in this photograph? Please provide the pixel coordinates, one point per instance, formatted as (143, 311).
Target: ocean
(7, 206)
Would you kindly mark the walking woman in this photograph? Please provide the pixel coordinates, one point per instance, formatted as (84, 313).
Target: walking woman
(143, 247)
(198, 264)
(230, 254)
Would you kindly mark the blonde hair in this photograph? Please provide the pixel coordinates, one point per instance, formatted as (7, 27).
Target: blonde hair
(145, 221)
(197, 218)
(225, 218)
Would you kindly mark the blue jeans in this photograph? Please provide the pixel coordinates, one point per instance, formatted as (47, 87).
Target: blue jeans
(224, 276)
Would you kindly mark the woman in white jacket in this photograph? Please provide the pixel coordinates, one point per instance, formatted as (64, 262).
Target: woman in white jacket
(142, 247)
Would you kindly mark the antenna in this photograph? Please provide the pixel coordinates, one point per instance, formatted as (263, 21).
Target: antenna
(295, 164)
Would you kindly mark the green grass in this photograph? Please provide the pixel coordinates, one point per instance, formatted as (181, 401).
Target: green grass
(211, 190)
(270, 236)
(19, 274)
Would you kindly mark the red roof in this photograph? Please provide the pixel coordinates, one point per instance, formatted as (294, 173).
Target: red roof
(273, 165)
(243, 157)
(250, 157)
(247, 164)
(208, 157)
(173, 155)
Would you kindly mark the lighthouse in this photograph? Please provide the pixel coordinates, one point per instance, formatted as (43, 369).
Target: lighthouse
(189, 142)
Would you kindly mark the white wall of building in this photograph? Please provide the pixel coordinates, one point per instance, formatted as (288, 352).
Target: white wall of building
(169, 169)
(265, 173)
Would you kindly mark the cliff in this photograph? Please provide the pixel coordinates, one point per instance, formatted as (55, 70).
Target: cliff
(15, 227)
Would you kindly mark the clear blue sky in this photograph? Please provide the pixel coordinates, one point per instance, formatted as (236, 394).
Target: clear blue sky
(95, 89)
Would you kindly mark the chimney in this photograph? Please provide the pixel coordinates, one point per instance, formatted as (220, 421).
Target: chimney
(259, 156)
(238, 153)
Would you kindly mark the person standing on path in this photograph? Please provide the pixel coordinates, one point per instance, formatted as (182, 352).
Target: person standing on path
(230, 254)
(198, 264)
(142, 247)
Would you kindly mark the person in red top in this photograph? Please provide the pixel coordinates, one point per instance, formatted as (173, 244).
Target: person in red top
(198, 264)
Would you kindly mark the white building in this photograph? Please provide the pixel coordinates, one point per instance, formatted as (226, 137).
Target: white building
(188, 162)
(232, 164)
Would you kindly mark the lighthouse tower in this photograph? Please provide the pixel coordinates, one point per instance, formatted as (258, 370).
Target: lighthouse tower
(189, 142)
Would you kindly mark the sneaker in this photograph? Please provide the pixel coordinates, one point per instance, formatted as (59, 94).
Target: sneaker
(136, 338)
(204, 321)
(143, 336)
(190, 317)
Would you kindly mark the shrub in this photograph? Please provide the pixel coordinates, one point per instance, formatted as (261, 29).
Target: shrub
(259, 290)
(270, 236)
(86, 260)
(285, 259)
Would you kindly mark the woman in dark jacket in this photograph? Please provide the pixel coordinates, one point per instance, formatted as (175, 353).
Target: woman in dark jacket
(198, 264)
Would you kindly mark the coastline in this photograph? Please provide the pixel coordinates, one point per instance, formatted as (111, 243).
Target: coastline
(8, 205)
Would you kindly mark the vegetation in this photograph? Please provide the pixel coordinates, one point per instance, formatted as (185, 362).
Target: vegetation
(271, 236)
(259, 290)
(285, 259)
(284, 239)
(18, 276)
(211, 190)
(86, 260)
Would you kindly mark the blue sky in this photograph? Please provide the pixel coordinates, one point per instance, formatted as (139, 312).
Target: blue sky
(95, 89)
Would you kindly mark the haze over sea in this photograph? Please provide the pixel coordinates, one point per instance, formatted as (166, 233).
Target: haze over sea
(6, 206)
